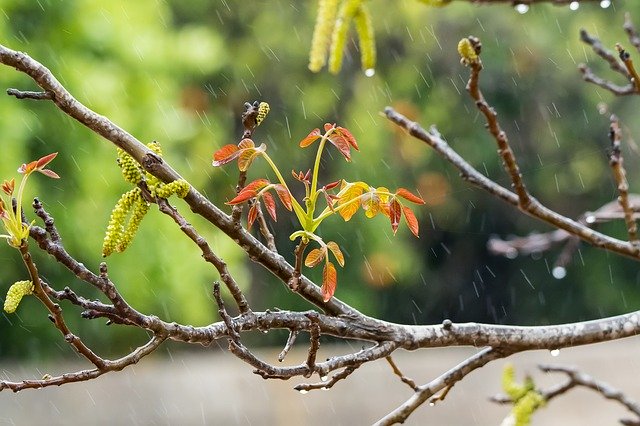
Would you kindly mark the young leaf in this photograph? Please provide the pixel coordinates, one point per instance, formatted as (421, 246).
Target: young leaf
(395, 214)
(270, 205)
(314, 257)
(337, 253)
(42, 162)
(246, 158)
(256, 185)
(342, 145)
(252, 216)
(329, 281)
(225, 155)
(246, 143)
(8, 186)
(332, 185)
(412, 222)
(283, 194)
(311, 138)
(404, 193)
(349, 192)
(328, 126)
(348, 137)
(49, 173)
(242, 196)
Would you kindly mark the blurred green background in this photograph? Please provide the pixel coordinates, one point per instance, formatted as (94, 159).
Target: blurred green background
(179, 72)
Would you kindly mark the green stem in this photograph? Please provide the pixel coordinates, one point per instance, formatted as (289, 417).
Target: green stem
(313, 196)
(297, 208)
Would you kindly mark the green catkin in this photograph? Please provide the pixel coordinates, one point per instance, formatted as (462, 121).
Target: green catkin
(139, 208)
(130, 169)
(468, 54)
(366, 38)
(15, 294)
(325, 20)
(115, 228)
(526, 400)
(155, 147)
(179, 187)
(263, 110)
(340, 32)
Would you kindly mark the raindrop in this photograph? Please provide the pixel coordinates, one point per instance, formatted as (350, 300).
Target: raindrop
(605, 4)
(574, 5)
(522, 8)
(324, 388)
(303, 391)
(554, 352)
(431, 404)
(324, 378)
(511, 253)
(559, 272)
(369, 72)
(590, 219)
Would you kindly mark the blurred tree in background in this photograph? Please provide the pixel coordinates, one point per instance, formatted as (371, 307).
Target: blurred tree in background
(179, 72)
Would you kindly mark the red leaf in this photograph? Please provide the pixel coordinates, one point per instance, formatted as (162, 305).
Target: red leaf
(225, 155)
(284, 195)
(242, 196)
(395, 214)
(329, 281)
(256, 185)
(348, 137)
(253, 214)
(330, 200)
(45, 160)
(314, 257)
(412, 222)
(270, 205)
(342, 145)
(311, 138)
(329, 126)
(332, 185)
(407, 195)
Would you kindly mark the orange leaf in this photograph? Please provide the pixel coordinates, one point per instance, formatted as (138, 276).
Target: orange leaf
(337, 253)
(329, 281)
(242, 196)
(8, 186)
(256, 185)
(311, 138)
(395, 214)
(253, 214)
(412, 222)
(407, 195)
(270, 205)
(246, 143)
(283, 194)
(225, 155)
(329, 126)
(314, 257)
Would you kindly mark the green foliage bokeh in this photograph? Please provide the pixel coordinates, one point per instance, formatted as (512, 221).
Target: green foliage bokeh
(179, 72)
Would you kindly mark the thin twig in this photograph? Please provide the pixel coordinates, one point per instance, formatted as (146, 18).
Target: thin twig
(409, 382)
(616, 161)
(628, 63)
(330, 382)
(38, 96)
(293, 334)
(490, 114)
(424, 392)
(228, 321)
(84, 375)
(630, 29)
